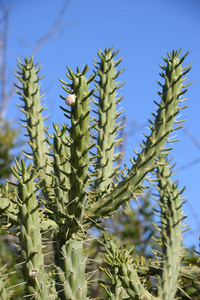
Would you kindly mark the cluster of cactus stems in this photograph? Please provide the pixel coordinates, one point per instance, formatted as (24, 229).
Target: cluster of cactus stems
(73, 182)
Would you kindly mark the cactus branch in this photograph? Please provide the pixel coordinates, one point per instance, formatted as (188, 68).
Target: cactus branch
(34, 122)
(160, 130)
(30, 236)
(171, 237)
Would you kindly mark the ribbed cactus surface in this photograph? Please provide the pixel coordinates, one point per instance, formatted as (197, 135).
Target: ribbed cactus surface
(106, 110)
(71, 282)
(30, 238)
(79, 147)
(171, 236)
(34, 122)
(75, 182)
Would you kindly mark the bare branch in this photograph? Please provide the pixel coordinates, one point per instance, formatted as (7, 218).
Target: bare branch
(197, 144)
(5, 94)
(4, 23)
(54, 27)
(192, 137)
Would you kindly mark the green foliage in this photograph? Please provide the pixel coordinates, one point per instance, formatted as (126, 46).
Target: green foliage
(75, 182)
(8, 136)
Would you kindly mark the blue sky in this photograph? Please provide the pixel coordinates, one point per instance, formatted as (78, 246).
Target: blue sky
(144, 31)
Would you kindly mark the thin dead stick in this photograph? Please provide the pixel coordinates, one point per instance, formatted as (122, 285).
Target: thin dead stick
(54, 27)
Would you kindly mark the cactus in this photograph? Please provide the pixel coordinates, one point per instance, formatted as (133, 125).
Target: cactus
(107, 127)
(171, 235)
(34, 122)
(30, 238)
(75, 182)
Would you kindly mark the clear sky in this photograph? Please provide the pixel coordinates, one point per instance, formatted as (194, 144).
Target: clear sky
(144, 31)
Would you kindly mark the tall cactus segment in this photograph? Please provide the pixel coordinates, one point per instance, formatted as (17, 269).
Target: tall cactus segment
(79, 147)
(71, 261)
(61, 167)
(107, 127)
(30, 236)
(70, 270)
(34, 123)
(170, 203)
(167, 111)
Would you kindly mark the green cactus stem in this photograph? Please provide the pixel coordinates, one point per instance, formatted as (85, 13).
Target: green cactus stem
(160, 130)
(121, 260)
(70, 262)
(114, 288)
(70, 269)
(170, 203)
(61, 166)
(79, 147)
(30, 237)
(107, 126)
(34, 123)
(75, 183)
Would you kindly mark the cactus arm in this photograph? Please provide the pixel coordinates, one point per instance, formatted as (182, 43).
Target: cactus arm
(70, 261)
(61, 166)
(132, 284)
(79, 148)
(107, 126)
(171, 236)
(34, 122)
(114, 288)
(190, 272)
(160, 130)
(125, 269)
(30, 236)
(153, 270)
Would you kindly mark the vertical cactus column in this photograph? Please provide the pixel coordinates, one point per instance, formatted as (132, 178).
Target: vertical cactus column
(30, 237)
(107, 126)
(34, 123)
(71, 261)
(170, 230)
(62, 168)
(80, 145)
